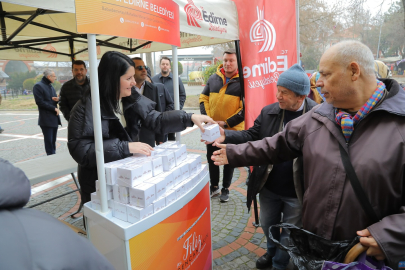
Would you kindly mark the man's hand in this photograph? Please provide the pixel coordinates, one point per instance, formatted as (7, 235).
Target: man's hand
(374, 249)
(199, 119)
(57, 111)
(221, 123)
(140, 148)
(219, 157)
(55, 99)
(220, 139)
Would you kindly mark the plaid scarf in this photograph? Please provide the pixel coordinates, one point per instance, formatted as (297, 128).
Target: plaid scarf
(347, 122)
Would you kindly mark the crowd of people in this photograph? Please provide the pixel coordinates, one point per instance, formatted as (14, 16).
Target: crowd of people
(296, 145)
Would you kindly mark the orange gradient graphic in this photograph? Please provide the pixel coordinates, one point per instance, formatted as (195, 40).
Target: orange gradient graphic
(182, 241)
(156, 20)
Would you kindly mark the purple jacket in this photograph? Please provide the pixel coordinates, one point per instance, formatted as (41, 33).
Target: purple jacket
(377, 152)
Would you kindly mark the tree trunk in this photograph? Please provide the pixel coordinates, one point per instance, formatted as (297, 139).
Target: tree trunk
(149, 62)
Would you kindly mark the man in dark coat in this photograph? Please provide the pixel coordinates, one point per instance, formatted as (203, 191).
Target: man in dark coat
(47, 101)
(73, 90)
(166, 78)
(280, 185)
(32, 239)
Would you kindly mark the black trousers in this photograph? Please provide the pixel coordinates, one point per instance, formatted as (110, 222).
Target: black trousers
(214, 170)
(50, 139)
(172, 136)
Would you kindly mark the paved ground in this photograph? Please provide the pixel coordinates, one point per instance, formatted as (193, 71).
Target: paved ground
(236, 243)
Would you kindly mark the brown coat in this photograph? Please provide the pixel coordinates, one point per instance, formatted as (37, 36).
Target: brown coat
(377, 152)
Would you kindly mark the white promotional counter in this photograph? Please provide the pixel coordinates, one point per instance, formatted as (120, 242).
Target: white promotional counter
(176, 237)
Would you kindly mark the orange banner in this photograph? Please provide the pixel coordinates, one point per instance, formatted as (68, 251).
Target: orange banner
(182, 241)
(155, 20)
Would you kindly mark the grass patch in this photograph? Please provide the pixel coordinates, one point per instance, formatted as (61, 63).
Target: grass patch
(21, 103)
(191, 101)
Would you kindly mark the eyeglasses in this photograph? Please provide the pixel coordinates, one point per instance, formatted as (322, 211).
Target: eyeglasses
(141, 67)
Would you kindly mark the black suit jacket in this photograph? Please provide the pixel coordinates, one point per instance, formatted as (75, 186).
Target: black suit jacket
(43, 93)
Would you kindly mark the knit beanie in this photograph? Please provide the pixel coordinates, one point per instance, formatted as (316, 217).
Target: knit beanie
(295, 79)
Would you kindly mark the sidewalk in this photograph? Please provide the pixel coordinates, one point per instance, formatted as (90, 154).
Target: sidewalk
(236, 243)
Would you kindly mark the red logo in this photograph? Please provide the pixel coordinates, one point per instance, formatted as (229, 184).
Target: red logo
(49, 47)
(193, 14)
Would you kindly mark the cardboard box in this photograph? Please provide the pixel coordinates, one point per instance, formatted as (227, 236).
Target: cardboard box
(160, 185)
(121, 194)
(111, 173)
(120, 211)
(109, 189)
(180, 153)
(192, 166)
(130, 175)
(157, 165)
(180, 189)
(185, 171)
(142, 195)
(211, 133)
(168, 178)
(167, 159)
(170, 197)
(95, 201)
(136, 214)
(197, 157)
(159, 204)
(147, 169)
(177, 175)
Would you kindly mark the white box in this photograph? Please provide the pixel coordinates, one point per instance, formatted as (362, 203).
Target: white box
(147, 169)
(202, 172)
(189, 183)
(136, 214)
(120, 211)
(95, 201)
(109, 189)
(111, 173)
(142, 195)
(197, 157)
(185, 171)
(170, 197)
(180, 152)
(111, 206)
(168, 160)
(157, 165)
(180, 189)
(169, 179)
(160, 185)
(192, 166)
(211, 133)
(121, 194)
(130, 175)
(177, 175)
(159, 204)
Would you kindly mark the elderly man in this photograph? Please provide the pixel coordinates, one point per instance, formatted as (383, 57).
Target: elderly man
(74, 89)
(279, 185)
(363, 117)
(49, 120)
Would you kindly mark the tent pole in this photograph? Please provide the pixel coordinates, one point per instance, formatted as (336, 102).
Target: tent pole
(240, 69)
(95, 102)
(175, 70)
(72, 50)
(2, 23)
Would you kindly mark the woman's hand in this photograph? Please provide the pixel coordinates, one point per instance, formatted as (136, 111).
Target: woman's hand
(140, 148)
(199, 119)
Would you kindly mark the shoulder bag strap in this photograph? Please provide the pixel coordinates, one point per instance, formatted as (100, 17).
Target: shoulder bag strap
(358, 189)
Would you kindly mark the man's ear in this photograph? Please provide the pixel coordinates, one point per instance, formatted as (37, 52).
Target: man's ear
(355, 70)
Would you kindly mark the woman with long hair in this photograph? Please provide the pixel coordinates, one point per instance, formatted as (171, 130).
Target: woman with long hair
(123, 111)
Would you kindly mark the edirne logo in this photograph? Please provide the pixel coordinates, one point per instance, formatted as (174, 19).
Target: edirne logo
(263, 31)
(193, 14)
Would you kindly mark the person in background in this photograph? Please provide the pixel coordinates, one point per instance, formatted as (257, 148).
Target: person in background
(166, 78)
(47, 101)
(123, 110)
(32, 239)
(221, 99)
(73, 90)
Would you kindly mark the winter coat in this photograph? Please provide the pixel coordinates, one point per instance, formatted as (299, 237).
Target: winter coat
(138, 110)
(168, 83)
(377, 151)
(32, 239)
(166, 100)
(70, 93)
(268, 123)
(223, 101)
(43, 93)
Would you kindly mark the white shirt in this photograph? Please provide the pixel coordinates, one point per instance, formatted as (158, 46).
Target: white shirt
(140, 90)
(121, 116)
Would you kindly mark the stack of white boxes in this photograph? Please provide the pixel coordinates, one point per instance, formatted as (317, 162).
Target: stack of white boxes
(140, 186)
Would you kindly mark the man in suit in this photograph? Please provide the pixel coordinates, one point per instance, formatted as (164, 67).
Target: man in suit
(47, 100)
(150, 91)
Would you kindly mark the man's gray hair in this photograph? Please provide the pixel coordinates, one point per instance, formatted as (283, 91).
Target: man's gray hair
(352, 50)
(47, 72)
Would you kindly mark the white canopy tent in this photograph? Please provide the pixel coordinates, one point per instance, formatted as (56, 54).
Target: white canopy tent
(46, 30)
